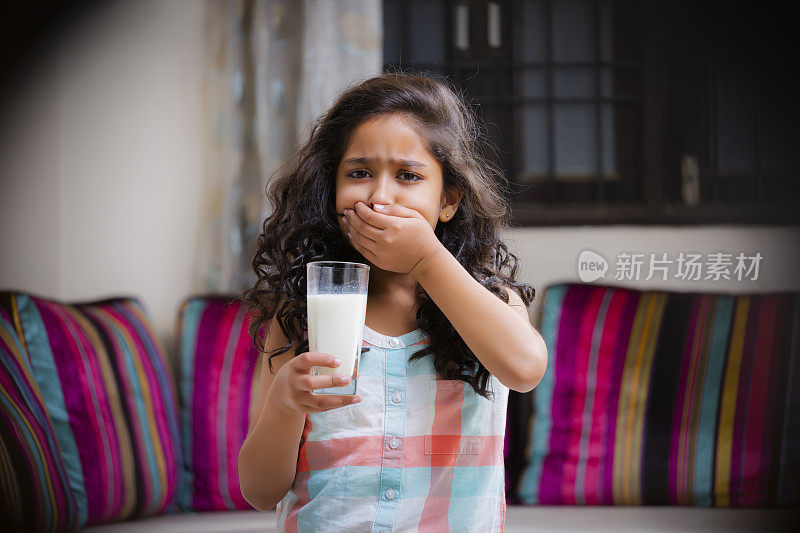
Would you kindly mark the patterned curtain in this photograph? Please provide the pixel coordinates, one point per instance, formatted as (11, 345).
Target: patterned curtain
(272, 66)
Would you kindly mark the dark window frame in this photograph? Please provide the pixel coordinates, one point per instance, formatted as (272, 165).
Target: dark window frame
(654, 206)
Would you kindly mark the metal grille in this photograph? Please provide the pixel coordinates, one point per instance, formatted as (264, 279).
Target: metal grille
(496, 75)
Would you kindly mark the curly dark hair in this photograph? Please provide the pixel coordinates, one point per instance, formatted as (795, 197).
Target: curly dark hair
(303, 226)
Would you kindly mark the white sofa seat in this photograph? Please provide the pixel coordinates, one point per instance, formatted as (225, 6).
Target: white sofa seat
(577, 519)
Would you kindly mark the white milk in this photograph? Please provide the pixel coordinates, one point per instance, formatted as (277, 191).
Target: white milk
(336, 327)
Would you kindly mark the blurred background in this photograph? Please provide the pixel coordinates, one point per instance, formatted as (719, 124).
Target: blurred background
(137, 136)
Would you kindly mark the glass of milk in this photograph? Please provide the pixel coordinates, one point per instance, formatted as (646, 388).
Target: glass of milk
(336, 297)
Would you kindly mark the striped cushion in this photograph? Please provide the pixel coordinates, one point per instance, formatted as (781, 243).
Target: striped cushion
(217, 360)
(34, 490)
(660, 398)
(111, 398)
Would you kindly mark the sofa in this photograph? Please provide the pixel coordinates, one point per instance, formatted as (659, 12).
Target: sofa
(659, 411)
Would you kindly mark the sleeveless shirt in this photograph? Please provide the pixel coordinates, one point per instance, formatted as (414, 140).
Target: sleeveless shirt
(418, 453)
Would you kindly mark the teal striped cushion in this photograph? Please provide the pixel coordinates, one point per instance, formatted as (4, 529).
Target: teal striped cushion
(218, 362)
(659, 398)
(35, 494)
(110, 395)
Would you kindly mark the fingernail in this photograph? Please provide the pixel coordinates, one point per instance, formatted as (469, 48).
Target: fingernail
(380, 207)
(357, 399)
(348, 235)
(344, 380)
(337, 361)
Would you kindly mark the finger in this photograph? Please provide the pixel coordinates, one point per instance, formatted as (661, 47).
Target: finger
(362, 239)
(355, 222)
(366, 252)
(306, 360)
(310, 382)
(392, 210)
(371, 217)
(325, 402)
(360, 223)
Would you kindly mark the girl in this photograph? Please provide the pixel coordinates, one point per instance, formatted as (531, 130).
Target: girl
(392, 176)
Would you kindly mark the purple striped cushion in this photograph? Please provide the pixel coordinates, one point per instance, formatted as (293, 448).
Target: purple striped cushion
(34, 490)
(659, 398)
(217, 370)
(110, 395)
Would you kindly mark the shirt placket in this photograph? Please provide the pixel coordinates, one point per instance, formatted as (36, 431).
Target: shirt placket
(394, 431)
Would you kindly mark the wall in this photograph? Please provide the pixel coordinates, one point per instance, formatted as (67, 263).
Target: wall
(550, 255)
(101, 162)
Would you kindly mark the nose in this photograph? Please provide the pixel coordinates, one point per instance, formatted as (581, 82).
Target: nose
(382, 190)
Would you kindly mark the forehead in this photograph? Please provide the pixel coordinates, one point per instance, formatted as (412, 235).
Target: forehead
(388, 137)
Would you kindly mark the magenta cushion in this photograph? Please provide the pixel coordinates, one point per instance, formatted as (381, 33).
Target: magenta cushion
(666, 398)
(35, 494)
(218, 361)
(111, 397)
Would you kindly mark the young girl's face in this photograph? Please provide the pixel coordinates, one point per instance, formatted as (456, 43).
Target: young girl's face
(386, 162)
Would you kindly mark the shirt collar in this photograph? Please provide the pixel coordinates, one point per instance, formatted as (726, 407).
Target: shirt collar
(393, 343)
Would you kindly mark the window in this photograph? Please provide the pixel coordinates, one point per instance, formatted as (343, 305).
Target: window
(734, 116)
(617, 111)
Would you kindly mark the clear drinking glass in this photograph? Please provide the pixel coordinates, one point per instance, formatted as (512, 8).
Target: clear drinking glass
(336, 297)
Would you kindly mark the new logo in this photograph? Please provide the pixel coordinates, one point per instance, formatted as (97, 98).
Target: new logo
(591, 266)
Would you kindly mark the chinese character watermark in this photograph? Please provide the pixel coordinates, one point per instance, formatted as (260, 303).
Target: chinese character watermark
(686, 266)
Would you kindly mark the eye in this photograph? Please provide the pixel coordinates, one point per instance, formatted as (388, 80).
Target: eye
(356, 173)
(410, 176)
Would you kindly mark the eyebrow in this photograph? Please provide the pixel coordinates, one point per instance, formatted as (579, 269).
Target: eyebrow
(402, 162)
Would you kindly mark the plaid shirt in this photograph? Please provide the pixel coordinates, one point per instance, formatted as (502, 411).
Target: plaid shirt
(418, 453)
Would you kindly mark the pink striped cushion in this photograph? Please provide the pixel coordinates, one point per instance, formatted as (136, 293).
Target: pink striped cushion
(111, 397)
(666, 398)
(34, 490)
(217, 369)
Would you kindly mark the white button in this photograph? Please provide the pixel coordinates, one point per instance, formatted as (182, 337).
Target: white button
(396, 397)
(390, 494)
(394, 443)
(394, 342)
